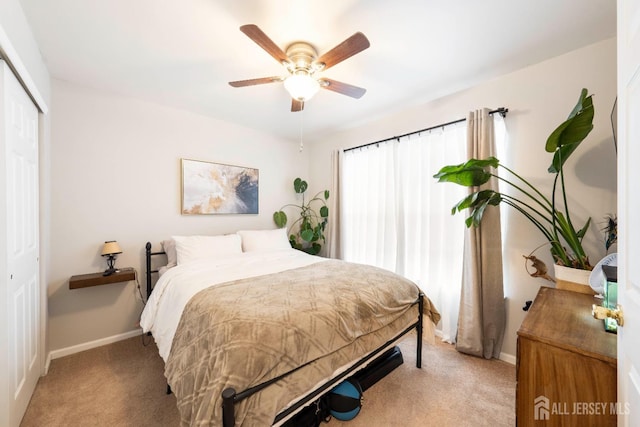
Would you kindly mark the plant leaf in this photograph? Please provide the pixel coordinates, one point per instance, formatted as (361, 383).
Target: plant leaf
(567, 137)
(307, 235)
(300, 186)
(463, 204)
(324, 212)
(476, 198)
(489, 199)
(313, 249)
(478, 202)
(578, 106)
(326, 194)
(280, 218)
(470, 174)
(584, 229)
(293, 241)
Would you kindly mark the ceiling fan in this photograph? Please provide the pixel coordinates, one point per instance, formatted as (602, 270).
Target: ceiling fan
(301, 61)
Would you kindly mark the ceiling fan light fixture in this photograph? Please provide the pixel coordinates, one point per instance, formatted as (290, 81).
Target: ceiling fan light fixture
(301, 62)
(301, 86)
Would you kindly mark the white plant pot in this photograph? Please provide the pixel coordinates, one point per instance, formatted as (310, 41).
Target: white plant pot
(573, 279)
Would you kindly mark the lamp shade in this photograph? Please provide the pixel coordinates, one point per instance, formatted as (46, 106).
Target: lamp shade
(110, 248)
(301, 86)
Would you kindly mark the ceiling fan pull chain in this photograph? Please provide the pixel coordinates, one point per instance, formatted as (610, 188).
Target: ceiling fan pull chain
(301, 144)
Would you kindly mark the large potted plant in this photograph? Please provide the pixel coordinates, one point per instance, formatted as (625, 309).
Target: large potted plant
(550, 215)
(309, 234)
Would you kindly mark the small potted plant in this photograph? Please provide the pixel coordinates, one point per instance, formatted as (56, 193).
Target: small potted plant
(610, 231)
(550, 215)
(309, 235)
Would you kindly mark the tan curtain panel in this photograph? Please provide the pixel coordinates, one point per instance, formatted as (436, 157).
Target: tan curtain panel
(481, 321)
(334, 249)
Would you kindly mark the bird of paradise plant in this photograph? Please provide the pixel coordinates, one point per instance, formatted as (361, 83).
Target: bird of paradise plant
(553, 222)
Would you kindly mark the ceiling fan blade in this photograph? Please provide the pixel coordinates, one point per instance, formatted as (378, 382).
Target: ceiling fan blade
(343, 88)
(253, 82)
(261, 39)
(354, 44)
(296, 105)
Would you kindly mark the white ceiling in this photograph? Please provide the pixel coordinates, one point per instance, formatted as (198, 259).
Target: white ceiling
(184, 53)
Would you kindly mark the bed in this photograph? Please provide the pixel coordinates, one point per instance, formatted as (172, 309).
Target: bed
(251, 331)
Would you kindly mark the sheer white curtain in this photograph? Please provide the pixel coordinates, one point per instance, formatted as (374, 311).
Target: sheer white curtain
(396, 216)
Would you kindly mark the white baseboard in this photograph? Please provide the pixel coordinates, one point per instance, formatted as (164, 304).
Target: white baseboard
(56, 354)
(509, 358)
(505, 357)
(47, 363)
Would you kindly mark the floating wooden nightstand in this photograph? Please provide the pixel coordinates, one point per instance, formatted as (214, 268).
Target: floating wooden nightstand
(95, 279)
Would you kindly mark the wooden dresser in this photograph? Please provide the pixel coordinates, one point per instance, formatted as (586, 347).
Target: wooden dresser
(566, 364)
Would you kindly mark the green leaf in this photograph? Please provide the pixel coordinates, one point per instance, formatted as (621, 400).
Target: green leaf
(567, 137)
(478, 203)
(578, 106)
(306, 235)
(480, 208)
(313, 249)
(324, 212)
(280, 218)
(584, 229)
(326, 194)
(463, 204)
(294, 242)
(475, 199)
(470, 174)
(300, 186)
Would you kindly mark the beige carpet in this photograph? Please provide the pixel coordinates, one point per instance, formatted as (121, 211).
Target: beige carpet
(122, 384)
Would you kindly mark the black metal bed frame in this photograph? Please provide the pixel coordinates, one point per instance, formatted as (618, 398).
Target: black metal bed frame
(229, 395)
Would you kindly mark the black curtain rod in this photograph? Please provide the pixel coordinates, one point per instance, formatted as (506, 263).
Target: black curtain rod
(502, 111)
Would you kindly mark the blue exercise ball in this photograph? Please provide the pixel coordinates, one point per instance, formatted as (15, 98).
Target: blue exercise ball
(345, 400)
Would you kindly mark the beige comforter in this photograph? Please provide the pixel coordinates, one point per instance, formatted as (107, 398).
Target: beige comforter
(240, 334)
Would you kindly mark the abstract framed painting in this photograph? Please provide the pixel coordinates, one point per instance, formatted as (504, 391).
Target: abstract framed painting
(215, 188)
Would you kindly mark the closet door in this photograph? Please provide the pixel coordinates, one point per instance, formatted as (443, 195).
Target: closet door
(20, 301)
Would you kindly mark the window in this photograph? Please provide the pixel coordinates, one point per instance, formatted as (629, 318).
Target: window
(396, 216)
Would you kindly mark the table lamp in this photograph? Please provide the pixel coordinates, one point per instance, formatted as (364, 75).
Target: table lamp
(110, 250)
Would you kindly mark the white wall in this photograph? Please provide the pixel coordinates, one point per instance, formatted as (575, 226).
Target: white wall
(116, 176)
(14, 25)
(539, 98)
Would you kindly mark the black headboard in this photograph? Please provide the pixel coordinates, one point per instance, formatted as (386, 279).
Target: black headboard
(148, 255)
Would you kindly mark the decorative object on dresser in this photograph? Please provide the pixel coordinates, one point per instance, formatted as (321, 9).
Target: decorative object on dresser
(566, 364)
(214, 188)
(551, 216)
(597, 277)
(610, 311)
(110, 250)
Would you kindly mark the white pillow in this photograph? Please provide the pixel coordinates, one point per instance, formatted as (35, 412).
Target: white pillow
(192, 248)
(264, 240)
(169, 247)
